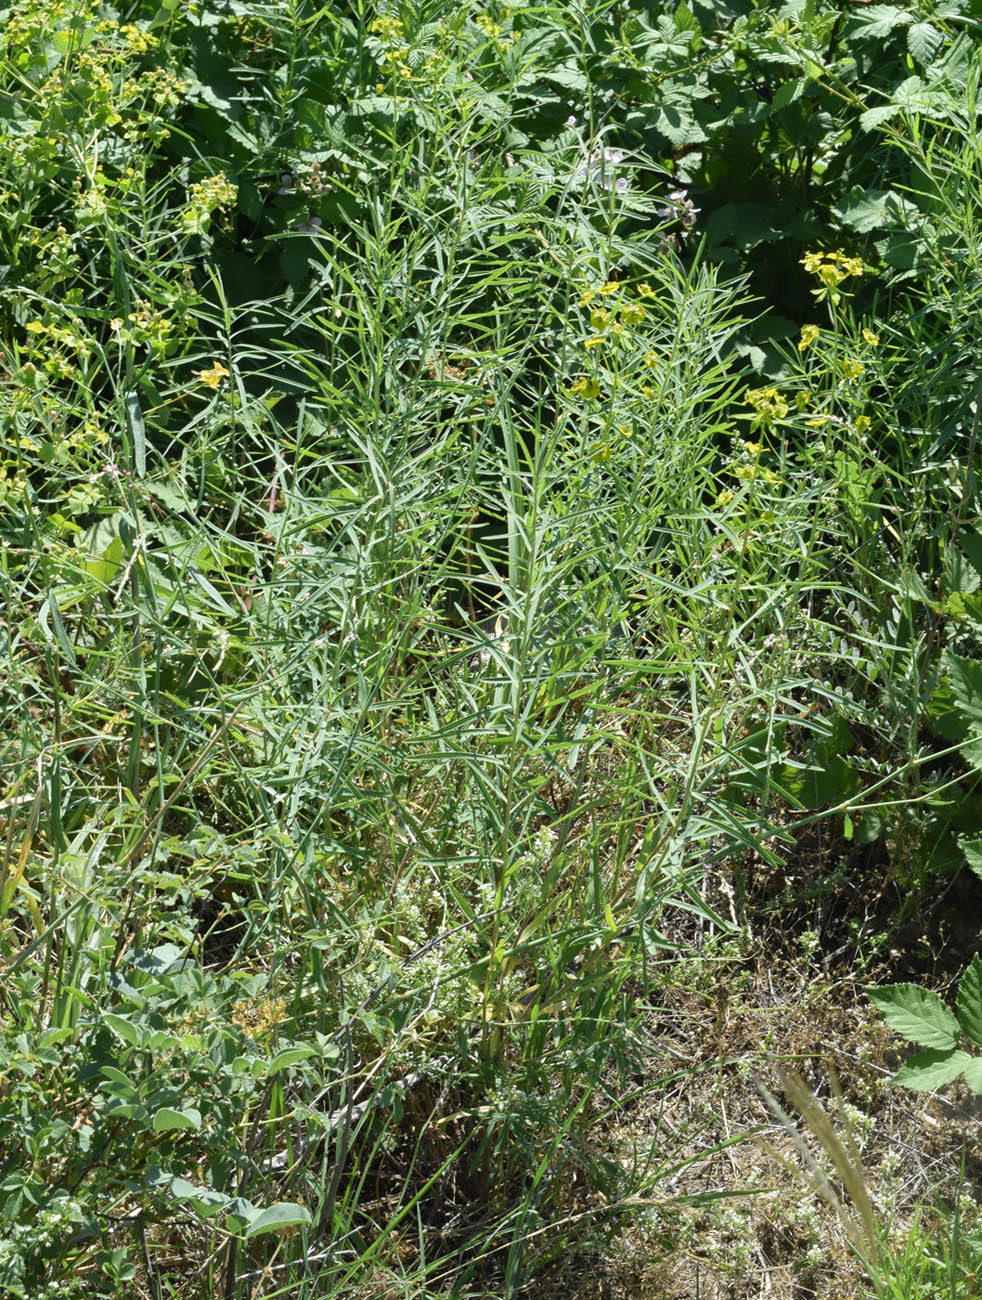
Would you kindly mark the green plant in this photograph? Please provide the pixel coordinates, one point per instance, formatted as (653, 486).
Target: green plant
(922, 1018)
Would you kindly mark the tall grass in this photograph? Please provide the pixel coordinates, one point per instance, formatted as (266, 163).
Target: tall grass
(402, 612)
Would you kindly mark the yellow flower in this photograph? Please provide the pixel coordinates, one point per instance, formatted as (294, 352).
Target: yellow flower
(588, 297)
(651, 361)
(599, 318)
(611, 286)
(632, 313)
(802, 399)
(862, 423)
(851, 368)
(724, 498)
(872, 339)
(768, 403)
(645, 290)
(214, 376)
(116, 324)
(584, 387)
(809, 333)
(596, 342)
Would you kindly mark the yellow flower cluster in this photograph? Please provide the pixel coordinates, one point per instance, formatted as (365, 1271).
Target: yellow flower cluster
(203, 198)
(768, 405)
(387, 29)
(610, 322)
(831, 269)
(259, 1019)
(146, 326)
(584, 387)
(214, 376)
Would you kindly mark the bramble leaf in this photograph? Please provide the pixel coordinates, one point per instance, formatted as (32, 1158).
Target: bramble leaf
(929, 1070)
(970, 1000)
(918, 1014)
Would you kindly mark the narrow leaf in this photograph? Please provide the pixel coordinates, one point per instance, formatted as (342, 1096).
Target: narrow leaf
(918, 1014)
(134, 418)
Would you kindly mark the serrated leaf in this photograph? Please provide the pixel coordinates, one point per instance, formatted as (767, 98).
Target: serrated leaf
(787, 93)
(972, 752)
(966, 685)
(166, 1120)
(924, 41)
(285, 1214)
(878, 21)
(929, 1070)
(685, 20)
(918, 1014)
(874, 116)
(971, 543)
(973, 1073)
(866, 210)
(973, 854)
(970, 1000)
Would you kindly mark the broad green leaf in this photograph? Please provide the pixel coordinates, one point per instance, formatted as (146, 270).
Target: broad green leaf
(787, 93)
(874, 116)
(973, 854)
(285, 1214)
(970, 540)
(918, 1014)
(970, 1000)
(929, 1070)
(205, 1200)
(966, 684)
(685, 20)
(124, 1029)
(973, 1073)
(924, 41)
(240, 1214)
(290, 1056)
(878, 21)
(167, 1119)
